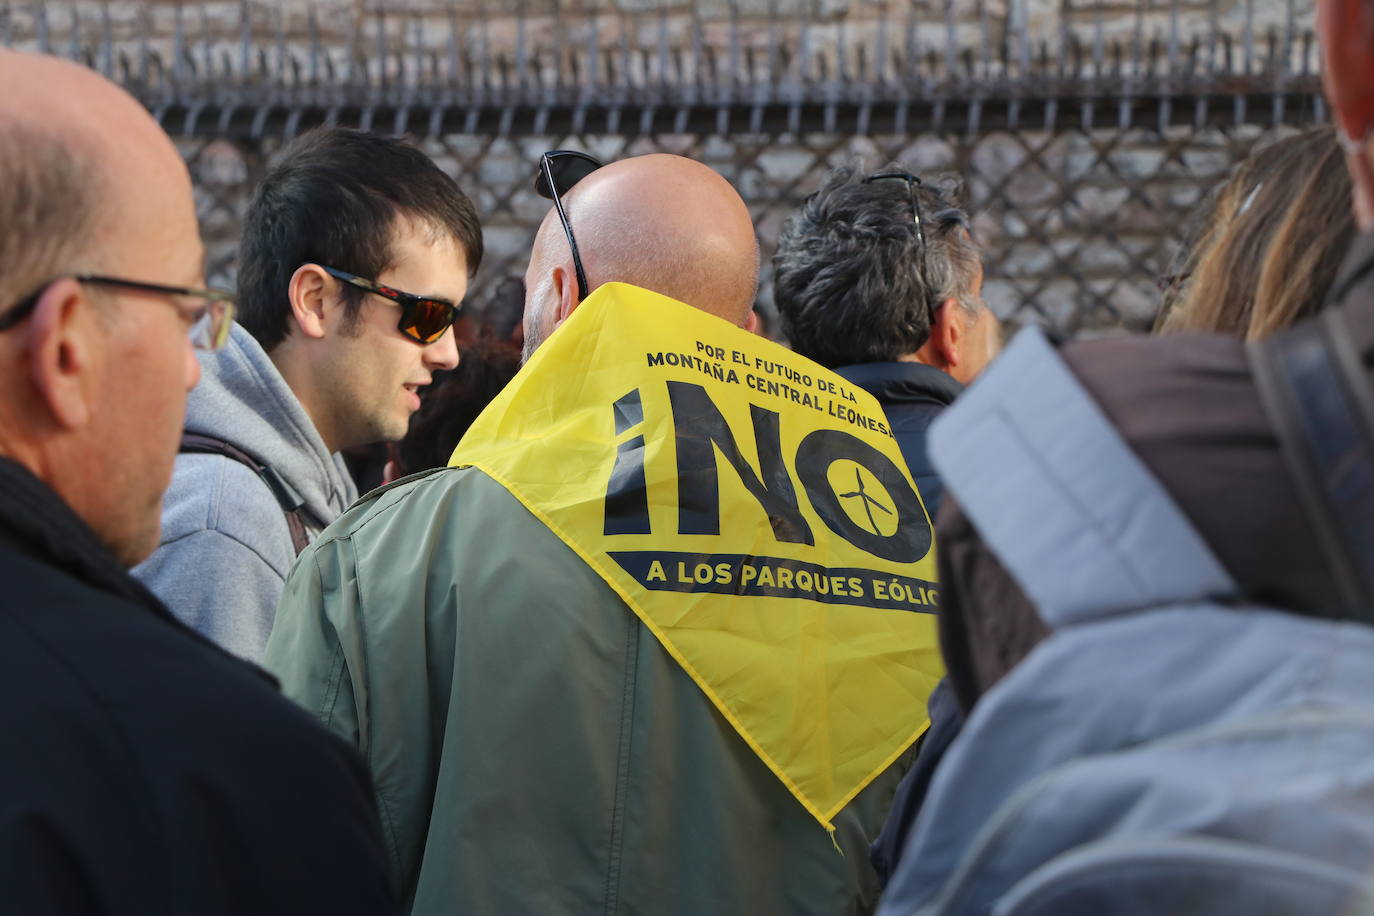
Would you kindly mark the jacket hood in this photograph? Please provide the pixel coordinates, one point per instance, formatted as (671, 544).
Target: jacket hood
(243, 400)
(903, 383)
(1072, 513)
(1185, 743)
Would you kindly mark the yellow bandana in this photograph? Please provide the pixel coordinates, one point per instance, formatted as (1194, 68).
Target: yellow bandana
(754, 511)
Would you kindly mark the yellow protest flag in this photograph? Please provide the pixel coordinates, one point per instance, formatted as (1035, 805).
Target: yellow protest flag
(751, 508)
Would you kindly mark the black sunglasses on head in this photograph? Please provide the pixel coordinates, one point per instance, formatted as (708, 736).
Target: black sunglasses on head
(559, 170)
(423, 319)
(912, 183)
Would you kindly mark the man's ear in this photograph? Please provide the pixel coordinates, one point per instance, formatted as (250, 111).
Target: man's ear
(65, 342)
(565, 285)
(1346, 28)
(310, 292)
(752, 322)
(942, 350)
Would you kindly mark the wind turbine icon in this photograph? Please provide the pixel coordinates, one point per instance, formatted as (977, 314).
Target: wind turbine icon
(869, 502)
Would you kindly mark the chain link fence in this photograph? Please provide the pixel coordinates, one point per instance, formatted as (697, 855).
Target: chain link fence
(1084, 135)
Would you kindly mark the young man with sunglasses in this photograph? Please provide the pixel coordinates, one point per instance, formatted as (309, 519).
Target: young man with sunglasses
(145, 770)
(355, 256)
(627, 654)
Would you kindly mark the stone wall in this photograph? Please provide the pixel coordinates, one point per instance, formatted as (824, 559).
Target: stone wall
(1080, 208)
(1077, 225)
(758, 40)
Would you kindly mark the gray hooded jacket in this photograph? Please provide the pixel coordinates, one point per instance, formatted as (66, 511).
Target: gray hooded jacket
(226, 548)
(1169, 748)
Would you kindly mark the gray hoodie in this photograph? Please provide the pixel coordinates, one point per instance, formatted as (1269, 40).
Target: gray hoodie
(226, 548)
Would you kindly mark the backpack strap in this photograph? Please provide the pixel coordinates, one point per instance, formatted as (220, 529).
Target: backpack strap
(288, 498)
(1320, 404)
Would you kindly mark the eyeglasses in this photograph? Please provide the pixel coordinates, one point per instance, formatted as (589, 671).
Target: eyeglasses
(912, 183)
(559, 170)
(423, 319)
(210, 316)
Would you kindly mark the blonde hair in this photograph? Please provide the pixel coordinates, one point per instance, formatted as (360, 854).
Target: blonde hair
(1271, 245)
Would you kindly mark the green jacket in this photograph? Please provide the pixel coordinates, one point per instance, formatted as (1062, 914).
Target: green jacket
(534, 748)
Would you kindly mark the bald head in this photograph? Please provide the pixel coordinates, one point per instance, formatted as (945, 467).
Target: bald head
(89, 184)
(78, 159)
(661, 222)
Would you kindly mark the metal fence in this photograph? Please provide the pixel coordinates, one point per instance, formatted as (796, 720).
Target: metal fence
(1084, 133)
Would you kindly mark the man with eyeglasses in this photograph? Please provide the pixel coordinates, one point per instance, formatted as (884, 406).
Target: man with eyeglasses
(878, 278)
(354, 259)
(145, 770)
(649, 643)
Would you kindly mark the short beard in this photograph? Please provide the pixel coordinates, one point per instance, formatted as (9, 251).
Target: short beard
(530, 345)
(535, 332)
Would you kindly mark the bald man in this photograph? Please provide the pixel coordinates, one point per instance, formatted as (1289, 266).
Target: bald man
(145, 770)
(537, 746)
(704, 254)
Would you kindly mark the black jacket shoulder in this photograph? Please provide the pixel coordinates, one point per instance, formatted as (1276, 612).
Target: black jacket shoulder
(149, 772)
(912, 396)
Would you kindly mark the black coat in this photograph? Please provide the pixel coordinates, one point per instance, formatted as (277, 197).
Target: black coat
(912, 395)
(144, 770)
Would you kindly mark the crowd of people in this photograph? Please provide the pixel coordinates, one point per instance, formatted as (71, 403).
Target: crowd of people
(649, 613)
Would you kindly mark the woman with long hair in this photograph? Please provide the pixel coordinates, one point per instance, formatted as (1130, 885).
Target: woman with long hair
(1270, 246)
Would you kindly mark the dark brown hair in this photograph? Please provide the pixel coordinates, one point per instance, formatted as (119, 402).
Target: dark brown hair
(335, 198)
(1271, 244)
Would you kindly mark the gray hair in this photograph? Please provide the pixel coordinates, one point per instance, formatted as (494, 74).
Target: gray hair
(848, 278)
(48, 193)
